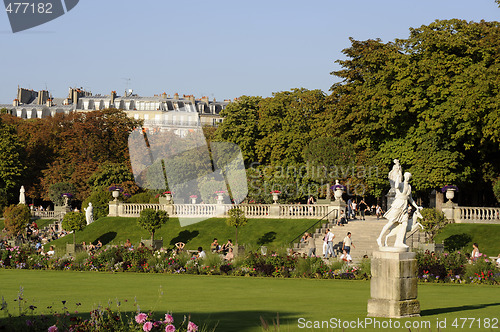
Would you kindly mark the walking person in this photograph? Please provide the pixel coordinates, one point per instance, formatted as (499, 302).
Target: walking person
(347, 243)
(311, 245)
(362, 209)
(329, 240)
(325, 243)
(349, 208)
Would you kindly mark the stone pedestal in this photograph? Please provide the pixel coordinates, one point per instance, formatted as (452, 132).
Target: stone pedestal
(393, 286)
(336, 207)
(448, 210)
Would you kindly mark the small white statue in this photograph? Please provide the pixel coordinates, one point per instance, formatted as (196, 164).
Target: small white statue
(89, 214)
(395, 175)
(22, 197)
(398, 212)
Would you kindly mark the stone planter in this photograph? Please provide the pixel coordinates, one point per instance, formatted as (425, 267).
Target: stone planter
(193, 200)
(116, 194)
(220, 198)
(338, 194)
(72, 248)
(154, 245)
(275, 197)
(450, 194)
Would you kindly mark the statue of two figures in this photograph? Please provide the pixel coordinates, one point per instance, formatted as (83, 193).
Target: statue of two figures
(398, 215)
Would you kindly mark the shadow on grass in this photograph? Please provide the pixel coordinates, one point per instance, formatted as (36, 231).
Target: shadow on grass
(266, 238)
(184, 236)
(438, 311)
(105, 238)
(228, 321)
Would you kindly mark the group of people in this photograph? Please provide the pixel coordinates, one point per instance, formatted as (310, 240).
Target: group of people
(328, 246)
(362, 209)
(225, 250)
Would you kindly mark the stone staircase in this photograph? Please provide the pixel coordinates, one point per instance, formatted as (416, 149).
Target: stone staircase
(364, 235)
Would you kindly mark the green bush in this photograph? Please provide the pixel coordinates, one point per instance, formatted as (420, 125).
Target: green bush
(152, 220)
(100, 199)
(57, 189)
(16, 218)
(74, 221)
(496, 189)
(433, 221)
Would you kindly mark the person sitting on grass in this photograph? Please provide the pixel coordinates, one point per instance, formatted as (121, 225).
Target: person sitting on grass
(128, 244)
(225, 247)
(230, 255)
(201, 254)
(498, 261)
(179, 246)
(346, 257)
(51, 252)
(215, 246)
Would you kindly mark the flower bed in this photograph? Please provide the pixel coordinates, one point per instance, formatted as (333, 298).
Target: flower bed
(448, 267)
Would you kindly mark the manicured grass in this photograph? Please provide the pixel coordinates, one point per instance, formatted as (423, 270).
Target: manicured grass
(236, 303)
(485, 235)
(115, 230)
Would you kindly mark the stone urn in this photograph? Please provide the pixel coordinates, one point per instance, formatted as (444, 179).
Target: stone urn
(220, 197)
(276, 196)
(193, 199)
(338, 194)
(116, 194)
(168, 197)
(450, 194)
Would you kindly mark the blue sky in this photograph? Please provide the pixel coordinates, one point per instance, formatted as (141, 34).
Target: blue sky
(222, 49)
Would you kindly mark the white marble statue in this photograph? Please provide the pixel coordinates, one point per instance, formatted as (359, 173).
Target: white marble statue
(89, 214)
(411, 225)
(22, 197)
(398, 213)
(395, 175)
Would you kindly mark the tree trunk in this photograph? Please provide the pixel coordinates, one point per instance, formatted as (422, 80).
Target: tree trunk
(74, 237)
(236, 237)
(152, 236)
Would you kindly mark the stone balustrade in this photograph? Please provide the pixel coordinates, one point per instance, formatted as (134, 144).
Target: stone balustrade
(47, 214)
(285, 211)
(467, 214)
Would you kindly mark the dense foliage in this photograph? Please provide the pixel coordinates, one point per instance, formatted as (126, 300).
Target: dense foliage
(17, 218)
(152, 220)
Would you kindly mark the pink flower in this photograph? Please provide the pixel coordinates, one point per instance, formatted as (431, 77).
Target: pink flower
(141, 318)
(170, 328)
(192, 327)
(169, 319)
(147, 326)
(53, 328)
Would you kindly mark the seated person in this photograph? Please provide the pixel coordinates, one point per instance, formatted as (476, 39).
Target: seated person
(225, 247)
(342, 219)
(179, 246)
(98, 245)
(230, 255)
(128, 244)
(346, 257)
(51, 252)
(215, 246)
(498, 261)
(201, 254)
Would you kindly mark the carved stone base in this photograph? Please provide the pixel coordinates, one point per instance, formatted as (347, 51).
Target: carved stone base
(393, 309)
(393, 286)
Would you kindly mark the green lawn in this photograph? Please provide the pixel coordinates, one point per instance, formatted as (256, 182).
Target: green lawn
(115, 230)
(236, 303)
(487, 236)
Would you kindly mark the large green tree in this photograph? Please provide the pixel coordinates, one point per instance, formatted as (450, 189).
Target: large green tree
(430, 100)
(11, 160)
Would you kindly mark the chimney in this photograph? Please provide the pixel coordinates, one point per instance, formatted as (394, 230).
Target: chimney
(204, 99)
(15, 102)
(164, 95)
(49, 102)
(176, 96)
(113, 96)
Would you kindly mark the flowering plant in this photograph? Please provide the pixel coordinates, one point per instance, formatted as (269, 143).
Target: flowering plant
(167, 192)
(67, 195)
(115, 188)
(193, 196)
(275, 192)
(220, 192)
(337, 186)
(449, 187)
(127, 195)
